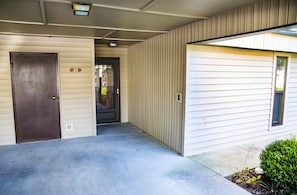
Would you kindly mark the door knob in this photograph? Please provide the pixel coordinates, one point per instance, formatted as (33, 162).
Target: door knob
(54, 97)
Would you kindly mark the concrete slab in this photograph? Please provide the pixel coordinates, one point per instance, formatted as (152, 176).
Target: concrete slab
(121, 160)
(230, 160)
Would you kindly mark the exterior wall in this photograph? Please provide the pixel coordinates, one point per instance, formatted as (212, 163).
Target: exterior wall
(229, 97)
(76, 89)
(122, 53)
(157, 66)
(155, 76)
(291, 99)
(268, 41)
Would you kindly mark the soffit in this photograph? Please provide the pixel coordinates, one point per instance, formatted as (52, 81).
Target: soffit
(126, 21)
(289, 31)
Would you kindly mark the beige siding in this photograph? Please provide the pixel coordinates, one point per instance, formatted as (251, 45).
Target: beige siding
(268, 41)
(7, 133)
(228, 98)
(155, 76)
(76, 100)
(122, 53)
(157, 66)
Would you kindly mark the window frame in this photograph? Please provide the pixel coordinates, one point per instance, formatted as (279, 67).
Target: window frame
(276, 55)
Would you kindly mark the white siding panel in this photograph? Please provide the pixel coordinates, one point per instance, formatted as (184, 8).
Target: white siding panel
(232, 105)
(267, 41)
(122, 53)
(196, 132)
(238, 110)
(291, 100)
(221, 109)
(76, 101)
(218, 118)
(212, 100)
(210, 123)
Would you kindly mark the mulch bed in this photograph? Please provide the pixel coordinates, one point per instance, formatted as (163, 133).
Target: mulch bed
(254, 188)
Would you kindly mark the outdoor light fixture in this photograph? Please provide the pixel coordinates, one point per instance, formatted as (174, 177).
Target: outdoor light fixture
(81, 9)
(112, 44)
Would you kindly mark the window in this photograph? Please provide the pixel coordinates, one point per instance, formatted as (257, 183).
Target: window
(279, 90)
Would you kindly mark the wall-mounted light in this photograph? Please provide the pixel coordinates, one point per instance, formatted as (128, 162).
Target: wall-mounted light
(112, 44)
(81, 9)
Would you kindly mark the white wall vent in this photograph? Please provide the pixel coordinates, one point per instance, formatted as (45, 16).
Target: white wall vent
(69, 126)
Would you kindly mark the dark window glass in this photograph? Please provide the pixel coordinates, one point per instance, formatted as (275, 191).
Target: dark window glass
(279, 90)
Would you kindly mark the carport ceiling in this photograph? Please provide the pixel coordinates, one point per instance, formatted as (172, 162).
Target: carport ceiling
(124, 21)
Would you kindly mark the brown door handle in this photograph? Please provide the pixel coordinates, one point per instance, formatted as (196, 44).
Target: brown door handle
(54, 97)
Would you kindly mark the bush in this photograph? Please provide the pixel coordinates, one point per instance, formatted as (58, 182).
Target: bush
(279, 163)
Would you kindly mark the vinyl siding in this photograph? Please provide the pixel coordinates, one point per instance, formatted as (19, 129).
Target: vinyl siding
(7, 133)
(157, 66)
(155, 77)
(291, 95)
(122, 53)
(229, 97)
(268, 41)
(76, 99)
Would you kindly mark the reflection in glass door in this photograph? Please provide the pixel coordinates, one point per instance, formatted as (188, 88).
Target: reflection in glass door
(104, 86)
(107, 90)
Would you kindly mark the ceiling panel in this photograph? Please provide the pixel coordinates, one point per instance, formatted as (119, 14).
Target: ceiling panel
(134, 4)
(20, 10)
(196, 7)
(50, 30)
(63, 14)
(120, 43)
(113, 15)
(131, 35)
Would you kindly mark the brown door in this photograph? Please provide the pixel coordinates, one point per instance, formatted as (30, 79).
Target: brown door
(35, 96)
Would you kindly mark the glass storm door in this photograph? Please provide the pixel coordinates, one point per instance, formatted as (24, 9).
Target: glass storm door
(107, 89)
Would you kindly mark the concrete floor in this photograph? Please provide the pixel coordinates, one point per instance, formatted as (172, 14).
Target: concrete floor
(121, 160)
(230, 160)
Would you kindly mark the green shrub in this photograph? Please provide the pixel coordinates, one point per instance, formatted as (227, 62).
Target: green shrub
(279, 163)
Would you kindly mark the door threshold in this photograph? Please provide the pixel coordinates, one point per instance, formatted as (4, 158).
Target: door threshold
(105, 124)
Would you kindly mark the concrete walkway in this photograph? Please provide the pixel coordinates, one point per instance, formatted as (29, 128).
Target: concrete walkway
(230, 160)
(121, 160)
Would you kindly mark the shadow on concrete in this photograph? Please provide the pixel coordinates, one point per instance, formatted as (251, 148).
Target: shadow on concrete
(120, 160)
